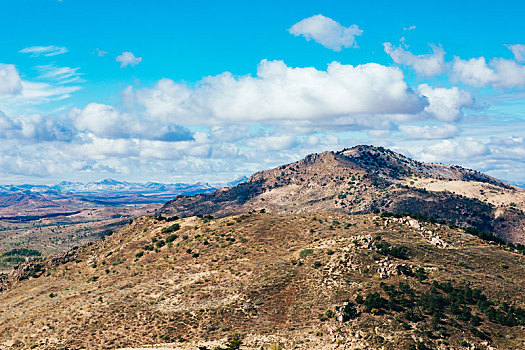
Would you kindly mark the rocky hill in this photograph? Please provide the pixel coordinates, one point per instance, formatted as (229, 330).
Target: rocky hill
(271, 281)
(358, 249)
(367, 179)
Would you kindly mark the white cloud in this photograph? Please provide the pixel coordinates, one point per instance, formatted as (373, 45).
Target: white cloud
(128, 59)
(273, 143)
(379, 133)
(47, 51)
(229, 133)
(474, 71)
(107, 122)
(509, 73)
(100, 53)
(430, 132)
(282, 93)
(326, 32)
(518, 50)
(10, 82)
(21, 96)
(445, 104)
(409, 28)
(62, 74)
(426, 65)
(7, 126)
(35, 94)
(35, 128)
(500, 73)
(453, 150)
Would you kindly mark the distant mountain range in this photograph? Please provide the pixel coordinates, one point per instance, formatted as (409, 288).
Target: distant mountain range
(31, 200)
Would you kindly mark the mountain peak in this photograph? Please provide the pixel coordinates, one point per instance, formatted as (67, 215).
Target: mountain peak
(364, 179)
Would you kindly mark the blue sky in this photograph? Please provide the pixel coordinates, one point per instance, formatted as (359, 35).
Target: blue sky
(208, 91)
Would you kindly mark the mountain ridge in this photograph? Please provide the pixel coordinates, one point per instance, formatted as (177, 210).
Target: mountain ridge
(364, 179)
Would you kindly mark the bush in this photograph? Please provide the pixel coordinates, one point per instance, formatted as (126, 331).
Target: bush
(171, 238)
(421, 274)
(484, 235)
(385, 248)
(22, 252)
(169, 229)
(349, 312)
(304, 253)
(234, 342)
(374, 301)
(14, 260)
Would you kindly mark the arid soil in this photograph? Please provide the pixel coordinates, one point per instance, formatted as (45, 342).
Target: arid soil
(273, 279)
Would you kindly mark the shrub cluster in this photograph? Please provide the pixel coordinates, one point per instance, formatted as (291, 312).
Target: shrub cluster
(385, 248)
(443, 301)
(170, 229)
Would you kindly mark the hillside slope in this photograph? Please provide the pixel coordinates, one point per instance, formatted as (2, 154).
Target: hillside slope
(365, 179)
(310, 281)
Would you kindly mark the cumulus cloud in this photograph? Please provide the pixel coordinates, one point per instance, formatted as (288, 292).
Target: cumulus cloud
(444, 131)
(445, 104)
(327, 32)
(7, 126)
(518, 50)
(500, 73)
(10, 82)
(36, 128)
(453, 150)
(47, 51)
(474, 71)
(128, 59)
(107, 122)
(425, 65)
(279, 93)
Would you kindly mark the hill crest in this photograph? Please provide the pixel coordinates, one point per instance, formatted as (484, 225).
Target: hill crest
(364, 179)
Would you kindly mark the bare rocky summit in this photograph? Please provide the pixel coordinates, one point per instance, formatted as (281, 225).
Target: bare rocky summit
(367, 179)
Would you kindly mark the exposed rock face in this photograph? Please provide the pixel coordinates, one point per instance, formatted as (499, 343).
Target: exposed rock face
(364, 179)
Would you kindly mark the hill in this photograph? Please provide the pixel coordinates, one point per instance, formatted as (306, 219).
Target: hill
(54, 219)
(312, 281)
(358, 249)
(367, 179)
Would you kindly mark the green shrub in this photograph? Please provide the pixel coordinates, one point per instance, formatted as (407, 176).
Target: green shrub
(374, 301)
(22, 252)
(421, 274)
(304, 253)
(170, 229)
(171, 238)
